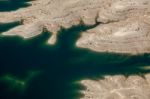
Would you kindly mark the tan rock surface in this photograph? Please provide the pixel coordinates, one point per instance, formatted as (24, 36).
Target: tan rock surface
(50, 14)
(124, 29)
(118, 87)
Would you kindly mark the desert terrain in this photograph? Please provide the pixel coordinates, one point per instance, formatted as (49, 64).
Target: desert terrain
(122, 26)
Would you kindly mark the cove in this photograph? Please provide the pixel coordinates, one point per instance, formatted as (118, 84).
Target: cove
(33, 69)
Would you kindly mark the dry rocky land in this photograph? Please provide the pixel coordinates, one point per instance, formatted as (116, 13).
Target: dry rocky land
(124, 28)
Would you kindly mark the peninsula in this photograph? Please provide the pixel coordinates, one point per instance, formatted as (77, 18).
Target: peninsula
(121, 26)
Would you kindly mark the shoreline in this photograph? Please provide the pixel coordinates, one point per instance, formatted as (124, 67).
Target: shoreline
(124, 30)
(117, 87)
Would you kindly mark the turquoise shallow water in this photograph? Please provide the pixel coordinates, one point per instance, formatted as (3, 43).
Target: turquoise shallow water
(61, 65)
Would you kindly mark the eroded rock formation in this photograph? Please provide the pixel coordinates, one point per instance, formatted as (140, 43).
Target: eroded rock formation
(118, 87)
(124, 28)
(51, 15)
(124, 24)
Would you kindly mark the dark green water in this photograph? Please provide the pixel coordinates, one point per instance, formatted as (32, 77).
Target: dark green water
(11, 5)
(62, 65)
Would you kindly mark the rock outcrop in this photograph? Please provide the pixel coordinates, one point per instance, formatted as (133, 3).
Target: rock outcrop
(124, 24)
(125, 28)
(118, 87)
(50, 15)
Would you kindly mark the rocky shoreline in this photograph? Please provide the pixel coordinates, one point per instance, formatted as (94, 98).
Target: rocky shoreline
(124, 24)
(118, 87)
(124, 28)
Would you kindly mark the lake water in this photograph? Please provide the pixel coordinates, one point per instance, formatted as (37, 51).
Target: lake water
(54, 72)
(11, 5)
(32, 69)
